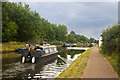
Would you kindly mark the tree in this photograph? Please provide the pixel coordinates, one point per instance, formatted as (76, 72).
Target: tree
(24, 24)
(10, 31)
(72, 32)
(110, 39)
(92, 40)
(73, 38)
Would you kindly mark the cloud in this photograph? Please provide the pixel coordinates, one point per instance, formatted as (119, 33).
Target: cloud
(83, 17)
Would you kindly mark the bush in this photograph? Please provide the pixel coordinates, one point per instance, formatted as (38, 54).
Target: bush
(110, 39)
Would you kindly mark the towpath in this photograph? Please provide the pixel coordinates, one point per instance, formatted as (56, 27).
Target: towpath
(98, 67)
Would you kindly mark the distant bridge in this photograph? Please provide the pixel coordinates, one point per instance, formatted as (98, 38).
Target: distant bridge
(78, 48)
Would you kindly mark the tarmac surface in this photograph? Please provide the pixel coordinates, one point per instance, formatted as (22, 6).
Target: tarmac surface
(98, 67)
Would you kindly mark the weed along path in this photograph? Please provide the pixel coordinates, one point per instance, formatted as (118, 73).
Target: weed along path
(98, 67)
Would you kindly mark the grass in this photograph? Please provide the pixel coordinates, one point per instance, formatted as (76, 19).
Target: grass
(9, 46)
(113, 60)
(10, 55)
(75, 70)
(58, 45)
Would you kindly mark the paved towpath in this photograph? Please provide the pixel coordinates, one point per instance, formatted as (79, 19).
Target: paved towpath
(98, 67)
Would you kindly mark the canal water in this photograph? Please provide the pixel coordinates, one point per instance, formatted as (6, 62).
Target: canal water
(47, 67)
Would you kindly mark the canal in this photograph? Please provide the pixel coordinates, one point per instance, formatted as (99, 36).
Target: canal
(47, 67)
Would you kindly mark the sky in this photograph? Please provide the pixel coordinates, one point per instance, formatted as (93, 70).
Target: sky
(85, 18)
(63, 0)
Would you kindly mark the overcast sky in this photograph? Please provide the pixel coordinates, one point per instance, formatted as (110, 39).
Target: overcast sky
(85, 18)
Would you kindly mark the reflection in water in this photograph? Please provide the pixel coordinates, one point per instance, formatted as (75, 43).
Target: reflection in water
(48, 67)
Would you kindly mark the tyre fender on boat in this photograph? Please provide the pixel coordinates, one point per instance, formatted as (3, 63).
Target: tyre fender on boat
(23, 59)
(33, 59)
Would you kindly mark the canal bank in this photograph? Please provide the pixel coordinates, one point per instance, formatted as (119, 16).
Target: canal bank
(75, 70)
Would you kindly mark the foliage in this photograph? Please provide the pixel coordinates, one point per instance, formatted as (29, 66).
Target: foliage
(73, 38)
(92, 40)
(110, 38)
(111, 46)
(10, 31)
(72, 32)
(20, 23)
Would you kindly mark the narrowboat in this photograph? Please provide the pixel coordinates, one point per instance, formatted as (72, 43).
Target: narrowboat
(74, 45)
(35, 53)
(66, 45)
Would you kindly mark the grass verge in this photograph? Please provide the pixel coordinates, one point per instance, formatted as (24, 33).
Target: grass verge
(113, 59)
(9, 46)
(75, 70)
(10, 55)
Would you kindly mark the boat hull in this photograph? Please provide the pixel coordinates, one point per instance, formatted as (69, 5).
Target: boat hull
(34, 55)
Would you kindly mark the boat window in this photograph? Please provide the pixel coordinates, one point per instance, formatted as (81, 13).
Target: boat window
(38, 48)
